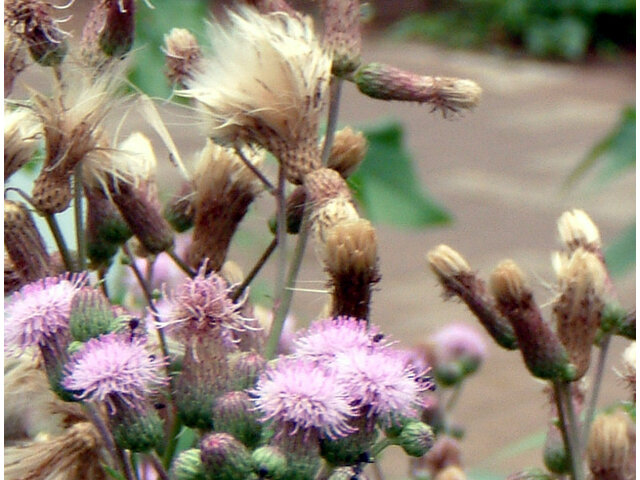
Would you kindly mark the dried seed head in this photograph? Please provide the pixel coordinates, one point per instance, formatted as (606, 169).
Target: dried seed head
(351, 260)
(578, 230)
(342, 35)
(109, 30)
(15, 59)
(33, 21)
(21, 134)
(578, 309)
(224, 188)
(347, 152)
(76, 454)
(609, 450)
(543, 354)
(182, 55)
(449, 95)
(12, 278)
(265, 84)
(72, 127)
(24, 243)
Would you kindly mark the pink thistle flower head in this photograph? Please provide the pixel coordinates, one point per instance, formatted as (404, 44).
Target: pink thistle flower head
(113, 365)
(459, 342)
(302, 393)
(202, 306)
(324, 339)
(383, 381)
(40, 311)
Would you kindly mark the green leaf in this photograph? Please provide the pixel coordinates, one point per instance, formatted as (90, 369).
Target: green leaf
(151, 26)
(621, 254)
(615, 153)
(387, 186)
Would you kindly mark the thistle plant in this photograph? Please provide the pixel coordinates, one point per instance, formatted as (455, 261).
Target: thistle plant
(181, 376)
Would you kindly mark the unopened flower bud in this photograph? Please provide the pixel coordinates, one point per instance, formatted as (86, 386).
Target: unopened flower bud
(134, 429)
(555, 455)
(416, 439)
(182, 55)
(188, 466)
(347, 151)
(135, 194)
(24, 243)
(295, 210)
(329, 198)
(234, 413)
(458, 280)
(246, 367)
(109, 30)
(609, 449)
(451, 473)
(180, 211)
(578, 230)
(91, 315)
(385, 82)
(578, 309)
(461, 345)
(33, 20)
(21, 133)
(224, 189)
(225, 458)
(106, 229)
(544, 355)
(351, 260)
(342, 35)
(269, 462)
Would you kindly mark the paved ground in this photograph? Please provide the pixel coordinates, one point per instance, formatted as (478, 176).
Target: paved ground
(499, 171)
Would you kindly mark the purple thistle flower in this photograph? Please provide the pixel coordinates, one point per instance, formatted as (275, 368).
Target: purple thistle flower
(40, 311)
(202, 306)
(382, 380)
(303, 393)
(112, 365)
(324, 339)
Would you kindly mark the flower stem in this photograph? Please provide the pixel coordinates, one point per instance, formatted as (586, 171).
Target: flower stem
(170, 449)
(77, 209)
(595, 392)
(180, 263)
(281, 235)
(254, 271)
(158, 467)
(60, 242)
(265, 181)
(378, 447)
(335, 89)
(325, 472)
(562, 394)
(285, 302)
(453, 399)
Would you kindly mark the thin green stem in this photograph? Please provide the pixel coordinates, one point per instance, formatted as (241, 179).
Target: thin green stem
(77, 209)
(455, 396)
(96, 418)
(180, 263)
(254, 271)
(60, 242)
(170, 449)
(129, 471)
(597, 383)
(335, 90)
(282, 308)
(566, 413)
(281, 235)
(265, 181)
(325, 472)
(379, 446)
(149, 298)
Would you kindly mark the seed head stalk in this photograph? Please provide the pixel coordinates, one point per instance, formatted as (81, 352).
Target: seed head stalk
(595, 391)
(81, 242)
(568, 426)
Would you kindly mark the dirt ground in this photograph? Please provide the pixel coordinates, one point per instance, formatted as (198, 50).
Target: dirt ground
(499, 171)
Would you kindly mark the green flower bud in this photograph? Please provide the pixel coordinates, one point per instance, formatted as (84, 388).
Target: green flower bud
(269, 462)
(246, 368)
(225, 458)
(91, 315)
(416, 439)
(555, 455)
(233, 413)
(138, 431)
(188, 466)
(449, 373)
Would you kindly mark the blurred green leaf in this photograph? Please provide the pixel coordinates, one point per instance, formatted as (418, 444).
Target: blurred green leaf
(621, 254)
(615, 153)
(151, 26)
(387, 185)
